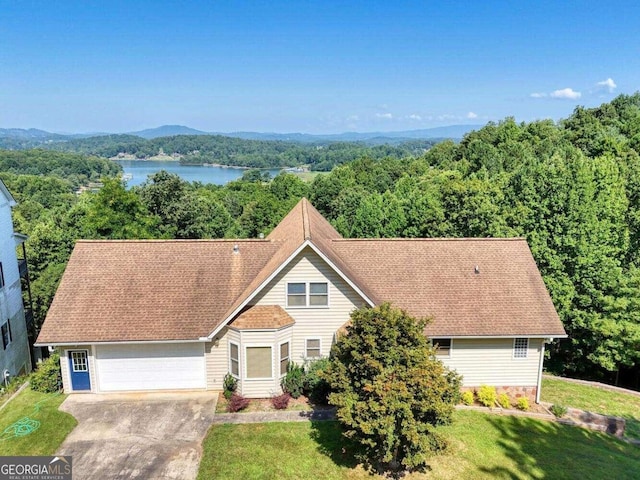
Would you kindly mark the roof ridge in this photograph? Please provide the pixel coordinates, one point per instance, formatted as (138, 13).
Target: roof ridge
(174, 240)
(432, 239)
(306, 225)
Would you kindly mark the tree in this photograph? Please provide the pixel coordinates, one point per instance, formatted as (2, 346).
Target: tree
(389, 389)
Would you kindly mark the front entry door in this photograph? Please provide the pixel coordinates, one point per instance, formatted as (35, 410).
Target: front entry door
(79, 368)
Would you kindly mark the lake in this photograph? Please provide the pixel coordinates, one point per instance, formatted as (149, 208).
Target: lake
(141, 169)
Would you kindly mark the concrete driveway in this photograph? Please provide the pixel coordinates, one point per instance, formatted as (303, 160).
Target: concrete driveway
(146, 436)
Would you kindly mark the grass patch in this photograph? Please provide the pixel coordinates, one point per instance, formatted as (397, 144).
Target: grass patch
(482, 446)
(54, 424)
(595, 400)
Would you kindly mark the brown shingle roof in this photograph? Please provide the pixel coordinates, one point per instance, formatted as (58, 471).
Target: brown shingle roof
(183, 290)
(436, 278)
(262, 317)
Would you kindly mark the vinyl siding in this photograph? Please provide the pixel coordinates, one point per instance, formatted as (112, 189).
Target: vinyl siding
(317, 322)
(217, 360)
(490, 362)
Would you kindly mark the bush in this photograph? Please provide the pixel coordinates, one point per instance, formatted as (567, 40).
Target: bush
(47, 378)
(230, 385)
(14, 384)
(504, 401)
(281, 402)
(523, 404)
(390, 391)
(237, 403)
(315, 385)
(487, 395)
(467, 397)
(293, 382)
(558, 410)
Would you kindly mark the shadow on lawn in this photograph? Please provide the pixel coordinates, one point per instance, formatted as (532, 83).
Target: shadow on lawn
(331, 442)
(549, 450)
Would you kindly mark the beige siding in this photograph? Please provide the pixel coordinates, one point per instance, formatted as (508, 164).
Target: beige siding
(318, 322)
(490, 362)
(217, 360)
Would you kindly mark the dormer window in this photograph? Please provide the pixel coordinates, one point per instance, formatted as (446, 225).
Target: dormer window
(307, 294)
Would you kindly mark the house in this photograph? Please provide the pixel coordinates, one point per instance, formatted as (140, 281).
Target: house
(15, 358)
(181, 314)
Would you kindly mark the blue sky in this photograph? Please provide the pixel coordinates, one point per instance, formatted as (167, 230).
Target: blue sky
(309, 66)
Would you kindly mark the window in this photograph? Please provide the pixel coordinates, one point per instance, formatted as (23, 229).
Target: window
(6, 334)
(312, 348)
(443, 346)
(520, 347)
(1, 276)
(234, 359)
(284, 358)
(318, 294)
(296, 294)
(258, 361)
(79, 361)
(313, 294)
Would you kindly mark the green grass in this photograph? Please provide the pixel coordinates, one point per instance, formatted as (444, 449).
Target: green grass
(482, 447)
(54, 424)
(595, 400)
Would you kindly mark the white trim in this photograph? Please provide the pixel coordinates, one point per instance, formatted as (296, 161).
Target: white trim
(489, 337)
(306, 339)
(257, 345)
(526, 351)
(126, 342)
(541, 361)
(259, 288)
(10, 200)
(237, 344)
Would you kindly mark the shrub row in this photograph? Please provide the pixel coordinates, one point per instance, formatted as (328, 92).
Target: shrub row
(488, 396)
(307, 380)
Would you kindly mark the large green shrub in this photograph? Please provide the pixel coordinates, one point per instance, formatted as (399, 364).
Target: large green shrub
(389, 389)
(47, 378)
(293, 381)
(316, 387)
(229, 385)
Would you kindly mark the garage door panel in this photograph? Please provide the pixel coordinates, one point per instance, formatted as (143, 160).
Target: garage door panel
(150, 367)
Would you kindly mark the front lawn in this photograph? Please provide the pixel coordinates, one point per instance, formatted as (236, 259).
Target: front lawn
(595, 400)
(40, 407)
(482, 446)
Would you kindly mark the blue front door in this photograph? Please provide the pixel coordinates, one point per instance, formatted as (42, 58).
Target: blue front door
(79, 368)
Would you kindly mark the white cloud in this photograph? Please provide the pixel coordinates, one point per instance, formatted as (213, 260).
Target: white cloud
(566, 93)
(413, 116)
(386, 116)
(538, 95)
(609, 84)
(472, 115)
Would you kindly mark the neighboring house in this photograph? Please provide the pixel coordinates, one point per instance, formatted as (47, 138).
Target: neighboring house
(180, 314)
(15, 358)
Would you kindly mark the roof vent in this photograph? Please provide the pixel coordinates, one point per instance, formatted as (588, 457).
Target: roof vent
(476, 270)
(261, 235)
(236, 249)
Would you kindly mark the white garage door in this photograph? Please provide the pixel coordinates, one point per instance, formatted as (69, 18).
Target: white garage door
(168, 366)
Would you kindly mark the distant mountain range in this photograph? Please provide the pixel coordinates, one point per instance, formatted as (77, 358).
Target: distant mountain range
(33, 137)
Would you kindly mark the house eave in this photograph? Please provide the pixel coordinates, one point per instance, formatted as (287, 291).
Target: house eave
(118, 342)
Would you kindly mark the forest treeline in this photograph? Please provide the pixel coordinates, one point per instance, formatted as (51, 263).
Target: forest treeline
(221, 150)
(572, 189)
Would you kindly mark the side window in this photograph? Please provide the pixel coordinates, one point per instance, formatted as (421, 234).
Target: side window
(520, 347)
(312, 349)
(234, 359)
(284, 358)
(6, 334)
(1, 276)
(296, 294)
(442, 346)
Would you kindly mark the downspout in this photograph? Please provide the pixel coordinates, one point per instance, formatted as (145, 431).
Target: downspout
(539, 385)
